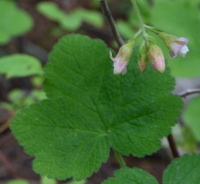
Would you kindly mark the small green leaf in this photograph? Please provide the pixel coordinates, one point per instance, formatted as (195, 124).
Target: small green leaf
(90, 110)
(184, 170)
(51, 10)
(192, 118)
(13, 21)
(17, 182)
(131, 176)
(20, 65)
(77, 182)
(72, 21)
(93, 17)
(45, 180)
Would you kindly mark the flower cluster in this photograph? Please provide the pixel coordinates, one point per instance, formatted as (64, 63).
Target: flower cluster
(149, 50)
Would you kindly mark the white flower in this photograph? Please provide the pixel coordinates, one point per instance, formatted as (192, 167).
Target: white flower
(178, 47)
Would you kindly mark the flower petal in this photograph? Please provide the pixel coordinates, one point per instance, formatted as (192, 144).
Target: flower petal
(183, 51)
(184, 40)
(112, 58)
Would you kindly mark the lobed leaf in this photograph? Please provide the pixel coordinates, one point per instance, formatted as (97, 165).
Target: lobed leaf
(89, 110)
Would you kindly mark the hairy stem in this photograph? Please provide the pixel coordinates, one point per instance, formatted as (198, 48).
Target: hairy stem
(111, 22)
(120, 159)
(173, 146)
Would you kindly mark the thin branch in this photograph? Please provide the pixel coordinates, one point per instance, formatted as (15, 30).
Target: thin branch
(189, 92)
(111, 22)
(173, 146)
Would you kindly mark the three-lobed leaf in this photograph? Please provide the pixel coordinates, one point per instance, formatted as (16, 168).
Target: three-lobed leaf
(89, 110)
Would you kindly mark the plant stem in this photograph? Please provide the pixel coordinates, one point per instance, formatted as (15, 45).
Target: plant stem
(111, 22)
(120, 159)
(173, 146)
(137, 12)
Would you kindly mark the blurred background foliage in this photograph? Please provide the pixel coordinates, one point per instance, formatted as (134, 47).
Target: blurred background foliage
(30, 28)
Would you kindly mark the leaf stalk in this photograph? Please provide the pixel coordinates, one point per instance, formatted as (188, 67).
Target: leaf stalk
(120, 159)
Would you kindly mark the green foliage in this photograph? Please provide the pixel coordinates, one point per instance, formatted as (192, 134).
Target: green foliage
(184, 170)
(90, 110)
(131, 176)
(20, 65)
(190, 142)
(185, 138)
(45, 180)
(18, 182)
(50, 10)
(19, 99)
(72, 21)
(77, 182)
(192, 118)
(181, 19)
(13, 21)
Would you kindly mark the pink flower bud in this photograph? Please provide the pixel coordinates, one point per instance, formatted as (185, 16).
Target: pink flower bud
(156, 57)
(177, 46)
(143, 58)
(122, 58)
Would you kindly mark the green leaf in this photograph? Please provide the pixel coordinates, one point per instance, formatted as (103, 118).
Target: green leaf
(191, 116)
(77, 182)
(50, 10)
(45, 180)
(93, 17)
(72, 21)
(131, 176)
(184, 170)
(20, 65)
(13, 21)
(17, 182)
(90, 110)
(181, 19)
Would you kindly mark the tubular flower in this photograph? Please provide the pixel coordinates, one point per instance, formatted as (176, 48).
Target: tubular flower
(177, 46)
(156, 57)
(122, 58)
